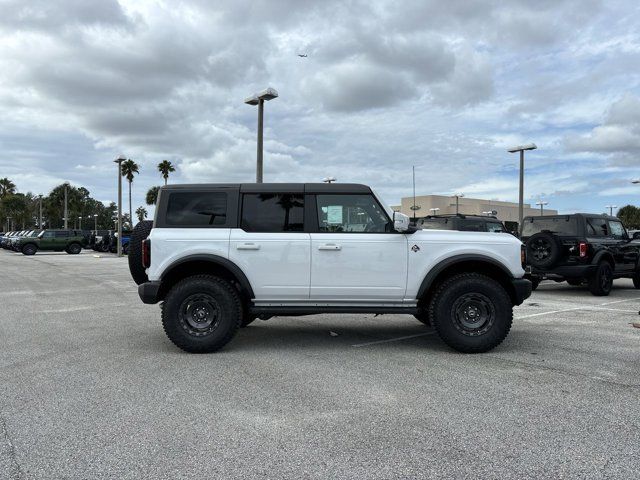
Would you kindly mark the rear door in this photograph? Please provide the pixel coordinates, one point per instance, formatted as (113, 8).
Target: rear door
(355, 253)
(271, 246)
(625, 252)
(61, 239)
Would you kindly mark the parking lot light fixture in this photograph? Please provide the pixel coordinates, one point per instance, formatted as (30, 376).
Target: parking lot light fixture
(636, 181)
(488, 213)
(458, 196)
(521, 149)
(119, 161)
(434, 211)
(79, 223)
(259, 99)
(95, 222)
(329, 179)
(611, 207)
(542, 204)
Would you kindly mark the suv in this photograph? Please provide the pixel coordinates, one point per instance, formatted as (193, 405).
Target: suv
(218, 256)
(71, 241)
(580, 248)
(464, 223)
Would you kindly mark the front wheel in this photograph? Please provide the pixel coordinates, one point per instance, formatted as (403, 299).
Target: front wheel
(29, 249)
(472, 313)
(74, 249)
(201, 314)
(602, 281)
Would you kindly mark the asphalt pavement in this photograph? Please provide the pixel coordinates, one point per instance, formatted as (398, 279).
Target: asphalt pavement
(90, 388)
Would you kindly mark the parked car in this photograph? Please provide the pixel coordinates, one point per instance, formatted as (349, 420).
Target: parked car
(70, 241)
(15, 241)
(582, 248)
(463, 223)
(219, 256)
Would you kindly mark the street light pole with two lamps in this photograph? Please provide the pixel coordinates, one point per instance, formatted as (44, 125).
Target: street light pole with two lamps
(259, 99)
(542, 204)
(521, 149)
(611, 207)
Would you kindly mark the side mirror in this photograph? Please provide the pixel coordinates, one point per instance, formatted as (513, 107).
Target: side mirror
(400, 222)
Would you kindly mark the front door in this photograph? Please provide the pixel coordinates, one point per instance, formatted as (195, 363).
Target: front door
(271, 246)
(47, 241)
(355, 253)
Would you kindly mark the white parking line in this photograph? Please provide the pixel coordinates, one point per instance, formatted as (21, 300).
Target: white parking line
(584, 307)
(392, 339)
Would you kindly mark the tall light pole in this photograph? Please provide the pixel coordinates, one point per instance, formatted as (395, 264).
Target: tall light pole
(521, 149)
(259, 99)
(611, 207)
(414, 207)
(542, 204)
(119, 161)
(66, 212)
(95, 222)
(40, 217)
(79, 223)
(458, 196)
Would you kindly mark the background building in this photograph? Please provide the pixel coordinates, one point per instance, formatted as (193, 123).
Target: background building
(505, 211)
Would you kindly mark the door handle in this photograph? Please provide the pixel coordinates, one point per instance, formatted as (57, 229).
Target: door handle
(330, 246)
(248, 246)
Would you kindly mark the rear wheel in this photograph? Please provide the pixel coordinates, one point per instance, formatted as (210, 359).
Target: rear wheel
(74, 248)
(472, 313)
(29, 249)
(201, 314)
(602, 281)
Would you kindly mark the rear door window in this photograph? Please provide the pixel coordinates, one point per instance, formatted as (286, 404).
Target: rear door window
(473, 226)
(273, 212)
(495, 227)
(62, 234)
(617, 230)
(197, 209)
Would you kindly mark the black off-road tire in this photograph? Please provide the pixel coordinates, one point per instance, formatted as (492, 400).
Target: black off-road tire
(423, 317)
(74, 249)
(139, 234)
(602, 281)
(454, 301)
(543, 250)
(219, 303)
(29, 249)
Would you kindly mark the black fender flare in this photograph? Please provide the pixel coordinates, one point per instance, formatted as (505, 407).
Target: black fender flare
(214, 260)
(438, 268)
(601, 255)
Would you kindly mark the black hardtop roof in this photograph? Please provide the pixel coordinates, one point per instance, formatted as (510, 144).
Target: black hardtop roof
(581, 215)
(462, 215)
(276, 187)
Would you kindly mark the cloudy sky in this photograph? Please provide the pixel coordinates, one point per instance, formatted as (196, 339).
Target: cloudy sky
(445, 86)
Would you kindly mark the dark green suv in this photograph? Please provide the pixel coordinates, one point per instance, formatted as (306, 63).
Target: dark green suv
(70, 241)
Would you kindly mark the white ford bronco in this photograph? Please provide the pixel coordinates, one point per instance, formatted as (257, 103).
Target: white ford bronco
(219, 256)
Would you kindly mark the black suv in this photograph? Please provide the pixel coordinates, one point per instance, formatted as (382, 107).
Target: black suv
(463, 223)
(580, 248)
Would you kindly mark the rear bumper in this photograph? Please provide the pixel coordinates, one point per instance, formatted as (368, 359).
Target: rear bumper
(568, 271)
(521, 290)
(148, 292)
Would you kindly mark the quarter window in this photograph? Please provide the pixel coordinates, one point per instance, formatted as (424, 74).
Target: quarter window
(190, 209)
(273, 212)
(599, 227)
(351, 214)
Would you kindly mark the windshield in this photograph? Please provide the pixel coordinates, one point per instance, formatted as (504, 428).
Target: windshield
(558, 225)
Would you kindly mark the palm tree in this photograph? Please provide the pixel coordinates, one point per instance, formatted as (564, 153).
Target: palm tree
(129, 169)
(165, 167)
(141, 212)
(7, 187)
(152, 195)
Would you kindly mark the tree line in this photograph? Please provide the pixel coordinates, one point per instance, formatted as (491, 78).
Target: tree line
(21, 211)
